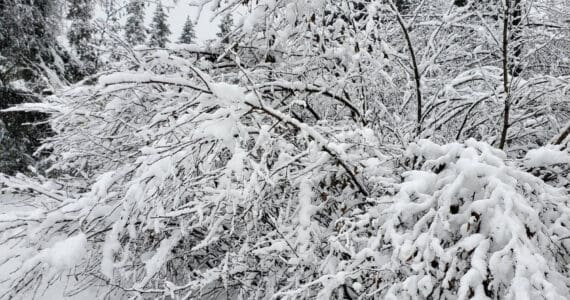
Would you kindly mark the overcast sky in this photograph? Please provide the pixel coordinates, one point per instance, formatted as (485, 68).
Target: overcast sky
(177, 12)
(177, 16)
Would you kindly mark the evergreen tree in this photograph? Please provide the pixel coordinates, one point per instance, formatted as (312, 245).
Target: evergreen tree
(225, 28)
(135, 31)
(110, 25)
(81, 34)
(19, 139)
(188, 35)
(159, 30)
(28, 44)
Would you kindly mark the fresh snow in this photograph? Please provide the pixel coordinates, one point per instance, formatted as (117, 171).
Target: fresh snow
(546, 156)
(315, 150)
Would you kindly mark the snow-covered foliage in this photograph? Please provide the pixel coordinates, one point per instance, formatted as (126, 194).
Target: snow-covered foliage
(434, 70)
(318, 150)
(467, 223)
(182, 183)
(175, 185)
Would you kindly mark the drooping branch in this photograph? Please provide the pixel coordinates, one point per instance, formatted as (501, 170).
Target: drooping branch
(558, 139)
(130, 78)
(313, 88)
(325, 145)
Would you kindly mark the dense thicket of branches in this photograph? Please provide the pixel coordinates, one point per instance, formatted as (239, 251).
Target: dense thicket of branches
(20, 133)
(321, 149)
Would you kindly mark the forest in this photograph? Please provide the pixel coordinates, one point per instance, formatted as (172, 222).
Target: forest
(288, 149)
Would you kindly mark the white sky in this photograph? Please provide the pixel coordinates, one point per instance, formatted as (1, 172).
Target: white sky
(177, 16)
(177, 12)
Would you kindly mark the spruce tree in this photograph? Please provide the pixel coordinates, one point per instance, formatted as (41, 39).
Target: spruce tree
(81, 34)
(110, 25)
(159, 30)
(28, 39)
(188, 35)
(135, 31)
(225, 28)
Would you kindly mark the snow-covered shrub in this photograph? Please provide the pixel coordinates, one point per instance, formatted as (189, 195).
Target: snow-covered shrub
(466, 223)
(168, 184)
(435, 66)
(175, 186)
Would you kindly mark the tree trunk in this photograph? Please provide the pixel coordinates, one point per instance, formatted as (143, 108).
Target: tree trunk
(507, 101)
(415, 68)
